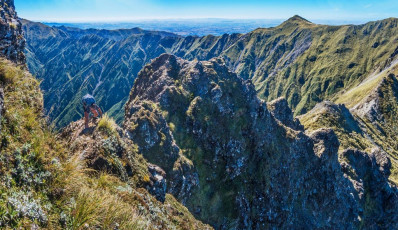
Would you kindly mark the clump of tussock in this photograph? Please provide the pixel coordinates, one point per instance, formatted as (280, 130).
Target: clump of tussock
(107, 125)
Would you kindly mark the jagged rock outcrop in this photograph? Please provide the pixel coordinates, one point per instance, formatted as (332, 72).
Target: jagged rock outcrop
(280, 109)
(254, 171)
(113, 154)
(377, 197)
(369, 172)
(109, 71)
(157, 186)
(12, 41)
(149, 129)
(370, 121)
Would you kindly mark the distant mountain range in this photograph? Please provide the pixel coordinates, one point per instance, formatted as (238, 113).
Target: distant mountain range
(184, 27)
(194, 27)
(72, 62)
(302, 61)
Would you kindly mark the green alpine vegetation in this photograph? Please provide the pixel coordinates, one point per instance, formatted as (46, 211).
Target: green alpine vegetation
(305, 63)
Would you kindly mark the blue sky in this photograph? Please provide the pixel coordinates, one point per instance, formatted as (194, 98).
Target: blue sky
(128, 10)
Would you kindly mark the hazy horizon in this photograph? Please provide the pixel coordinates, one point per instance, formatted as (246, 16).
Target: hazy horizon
(317, 21)
(91, 11)
(200, 27)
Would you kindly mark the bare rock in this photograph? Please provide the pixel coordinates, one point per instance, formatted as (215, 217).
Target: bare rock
(12, 42)
(279, 108)
(158, 185)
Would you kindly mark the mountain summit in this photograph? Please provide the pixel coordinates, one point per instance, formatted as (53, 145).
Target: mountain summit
(298, 19)
(295, 21)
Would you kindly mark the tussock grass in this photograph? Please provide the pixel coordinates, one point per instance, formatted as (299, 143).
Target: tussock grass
(107, 125)
(92, 202)
(83, 200)
(95, 208)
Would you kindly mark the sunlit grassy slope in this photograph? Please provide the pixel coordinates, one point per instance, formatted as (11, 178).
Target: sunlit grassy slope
(307, 63)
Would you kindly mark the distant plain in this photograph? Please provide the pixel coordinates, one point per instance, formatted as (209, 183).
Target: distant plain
(198, 27)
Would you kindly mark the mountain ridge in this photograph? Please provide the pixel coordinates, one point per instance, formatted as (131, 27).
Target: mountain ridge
(297, 21)
(261, 73)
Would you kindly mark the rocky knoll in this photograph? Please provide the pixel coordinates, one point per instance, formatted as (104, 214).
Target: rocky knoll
(256, 167)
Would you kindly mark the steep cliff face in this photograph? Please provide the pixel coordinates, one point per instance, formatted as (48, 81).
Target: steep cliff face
(12, 41)
(256, 167)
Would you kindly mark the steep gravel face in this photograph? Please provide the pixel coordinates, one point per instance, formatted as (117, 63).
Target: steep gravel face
(256, 167)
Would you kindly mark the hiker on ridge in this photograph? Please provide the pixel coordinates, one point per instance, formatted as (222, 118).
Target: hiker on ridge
(89, 105)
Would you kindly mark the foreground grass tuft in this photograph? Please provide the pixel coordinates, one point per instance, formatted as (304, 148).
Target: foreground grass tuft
(107, 125)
